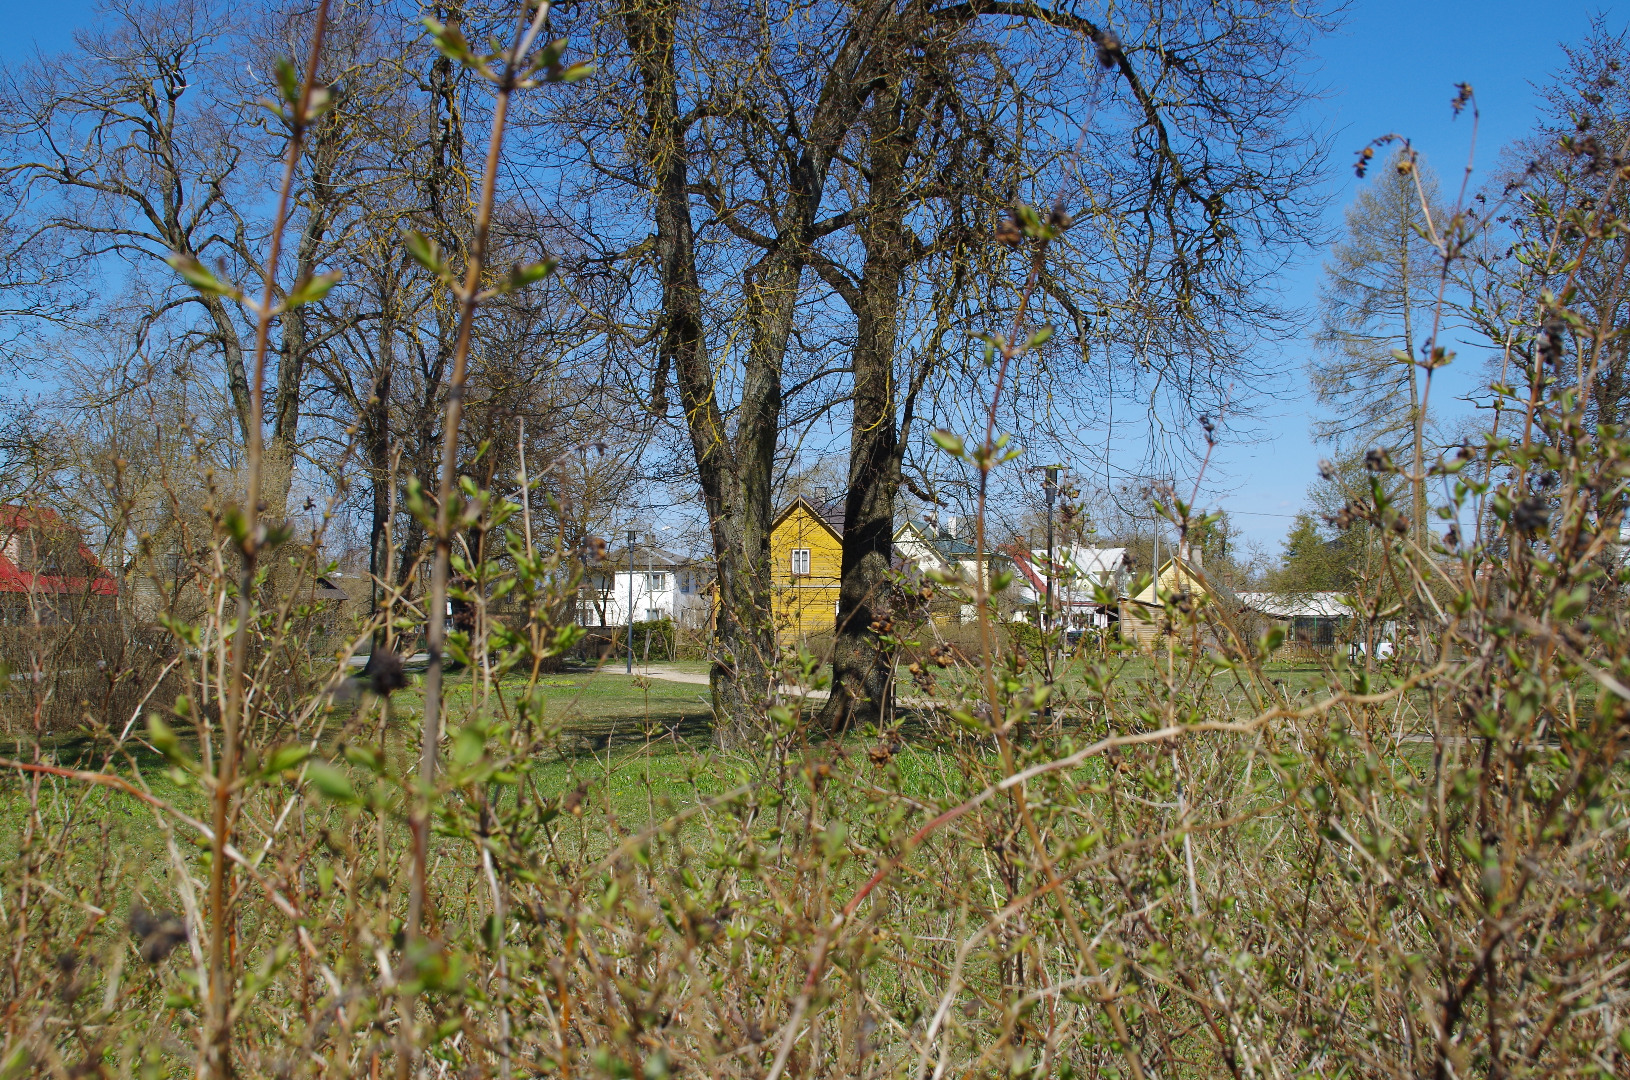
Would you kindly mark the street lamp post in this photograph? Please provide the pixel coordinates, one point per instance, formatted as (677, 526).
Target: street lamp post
(631, 601)
(1049, 488)
(650, 589)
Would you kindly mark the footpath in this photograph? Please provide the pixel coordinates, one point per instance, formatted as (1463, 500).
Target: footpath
(660, 672)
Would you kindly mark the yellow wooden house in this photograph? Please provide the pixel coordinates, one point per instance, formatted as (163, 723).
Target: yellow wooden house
(1143, 616)
(806, 553)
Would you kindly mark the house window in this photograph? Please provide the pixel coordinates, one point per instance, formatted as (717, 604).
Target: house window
(656, 582)
(800, 562)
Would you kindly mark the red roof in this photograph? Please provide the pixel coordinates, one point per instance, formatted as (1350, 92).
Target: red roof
(1021, 559)
(15, 522)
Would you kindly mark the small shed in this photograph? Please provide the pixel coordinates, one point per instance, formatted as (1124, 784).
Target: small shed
(1310, 619)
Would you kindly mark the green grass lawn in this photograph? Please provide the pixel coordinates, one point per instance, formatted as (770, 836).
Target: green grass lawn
(598, 707)
(642, 747)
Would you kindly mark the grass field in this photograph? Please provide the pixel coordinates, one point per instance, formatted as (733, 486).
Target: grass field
(640, 750)
(642, 745)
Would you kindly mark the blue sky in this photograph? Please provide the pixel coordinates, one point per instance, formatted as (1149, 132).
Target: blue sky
(48, 25)
(1390, 68)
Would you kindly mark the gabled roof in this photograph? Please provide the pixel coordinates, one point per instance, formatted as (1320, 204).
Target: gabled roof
(830, 515)
(953, 548)
(949, 548)
(1031, 573)
(326, 587)
(1193, 573)
(1033, 566)
(924, 532)
(646, 557)
(17, 520)
(1085, 561)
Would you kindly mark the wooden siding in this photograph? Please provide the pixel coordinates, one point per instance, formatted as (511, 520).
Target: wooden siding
(804, 604)
(1143, 616)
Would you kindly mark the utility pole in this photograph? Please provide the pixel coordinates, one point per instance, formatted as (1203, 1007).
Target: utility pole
(1154, 521)
(1049, 488)
(631, 601)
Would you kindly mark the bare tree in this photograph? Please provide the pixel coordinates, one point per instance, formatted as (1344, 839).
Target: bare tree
(1174, 234)
(123, 156)
(742, 119)
(1379, 283)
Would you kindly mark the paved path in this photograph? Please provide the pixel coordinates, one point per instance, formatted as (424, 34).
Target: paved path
(668, 674)
(362, 661)
(651, 671)
(700, 678)
(660, 672)
(665, 674)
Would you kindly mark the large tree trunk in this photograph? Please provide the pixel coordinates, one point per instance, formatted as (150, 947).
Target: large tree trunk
(737, 502)
(862, 664)
(736, 474)
(745, 663)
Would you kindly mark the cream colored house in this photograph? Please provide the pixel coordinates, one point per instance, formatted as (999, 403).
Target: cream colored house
(1143, 616)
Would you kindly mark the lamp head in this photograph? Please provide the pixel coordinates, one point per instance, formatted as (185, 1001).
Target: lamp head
(1049, 482)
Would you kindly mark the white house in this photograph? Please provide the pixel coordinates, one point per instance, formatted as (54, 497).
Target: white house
(661, 585)
(927, 547)
(1077, 573)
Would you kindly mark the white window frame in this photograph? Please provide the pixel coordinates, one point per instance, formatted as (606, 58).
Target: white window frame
(800, 557)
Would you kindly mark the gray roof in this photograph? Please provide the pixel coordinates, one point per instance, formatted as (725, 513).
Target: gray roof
(646, 558)
(949, 548)
(1311, 605)
(1086, 561)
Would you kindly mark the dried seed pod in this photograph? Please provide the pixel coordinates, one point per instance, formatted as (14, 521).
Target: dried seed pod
(160, 932)
(1531, 515)
(386, 675)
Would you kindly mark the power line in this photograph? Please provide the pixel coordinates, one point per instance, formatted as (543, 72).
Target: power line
(1434, 523)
